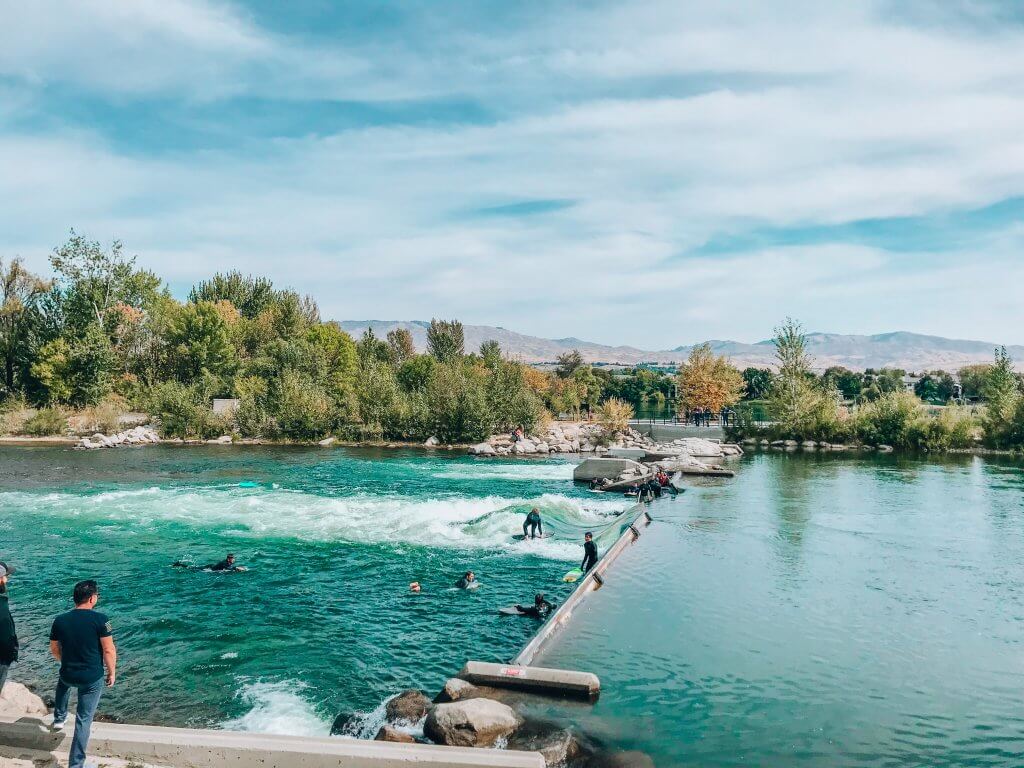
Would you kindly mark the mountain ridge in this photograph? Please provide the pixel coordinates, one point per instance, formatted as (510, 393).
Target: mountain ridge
(893, 349)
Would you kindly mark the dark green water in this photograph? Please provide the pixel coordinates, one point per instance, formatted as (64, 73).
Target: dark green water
(323, 623)
(813, 611)
(818, 611)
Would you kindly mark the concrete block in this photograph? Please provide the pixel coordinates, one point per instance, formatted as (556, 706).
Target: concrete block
(563, 682)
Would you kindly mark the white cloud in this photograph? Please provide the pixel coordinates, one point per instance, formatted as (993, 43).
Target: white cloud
(800, 115)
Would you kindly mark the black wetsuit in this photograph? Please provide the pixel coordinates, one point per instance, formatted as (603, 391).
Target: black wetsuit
(589, 556)
(464, 583)
(537, 611)
(223, 565)
(533, 523)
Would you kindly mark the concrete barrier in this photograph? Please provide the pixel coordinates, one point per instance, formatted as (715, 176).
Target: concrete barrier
(564, 682)
(629, 533)
(590, 469)
(190, 748)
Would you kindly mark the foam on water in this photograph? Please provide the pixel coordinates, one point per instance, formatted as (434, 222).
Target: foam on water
(278, 708)
(522, 470)
(452, 522)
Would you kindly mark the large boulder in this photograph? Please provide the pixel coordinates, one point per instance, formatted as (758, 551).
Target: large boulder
(524, 447)
(327, 441)
(389, 733)
(456, 689)
(557, 745)
(482, 449)
(409, 706)
(432, 442)
(471, 723)
(345, 724)
(543, 447)
(18, 701)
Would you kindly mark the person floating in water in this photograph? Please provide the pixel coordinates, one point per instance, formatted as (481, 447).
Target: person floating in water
(589, 552)
(534, 524)
(227, 564)
(539, 609)
(468, 581)
(415, 587)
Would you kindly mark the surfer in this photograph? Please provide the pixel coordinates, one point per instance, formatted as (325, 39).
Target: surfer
(227, 564)
(589, 552)
(468, 581)
(415, 587)
(534, 524)
(539, 609)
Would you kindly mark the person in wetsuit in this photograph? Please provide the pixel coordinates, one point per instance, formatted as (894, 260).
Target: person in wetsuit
(534, 524)
(589, 552)
(466, 580)
(227, 564)
(539, 609)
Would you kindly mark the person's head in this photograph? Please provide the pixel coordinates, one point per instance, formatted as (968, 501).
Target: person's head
(414, 587)
(86, 594)
(5, 571)
(588, 536)
(470, 576)
(230, 558)
(534, 511)
(538, 599)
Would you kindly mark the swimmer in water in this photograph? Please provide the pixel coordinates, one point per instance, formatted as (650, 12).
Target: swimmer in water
(415, 587)
(227, 564)
(468, 581)
(539, 609)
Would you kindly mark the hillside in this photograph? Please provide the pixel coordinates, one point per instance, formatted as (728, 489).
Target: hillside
(899, 349)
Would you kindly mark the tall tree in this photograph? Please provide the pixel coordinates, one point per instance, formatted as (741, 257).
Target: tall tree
(568, 363)
(20, 295)
(709, 381)
(758, 382)
(402, 347)
(797, 403)
(446, 340)
(250, 295)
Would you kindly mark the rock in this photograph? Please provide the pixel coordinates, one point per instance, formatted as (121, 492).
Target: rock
(222, 440)
(456, 689)
(557, 745)
(388, 733)
(542, 447)
(808, 445)
(624, 759)
(838, 447)
(344, 724)
(328, 441)
(524, 447)
(789, 443)
(777, 443)
(471, 723)
(18, 701)
(823, 445)
(409, 706)
(432, 442)
(746, 441)
(482, 449)
(503, 451)
(885, 448)
(764, 441)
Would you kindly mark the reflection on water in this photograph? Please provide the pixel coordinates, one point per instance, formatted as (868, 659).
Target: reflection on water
(818, 611)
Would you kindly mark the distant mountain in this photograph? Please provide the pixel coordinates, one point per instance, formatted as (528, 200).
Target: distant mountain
(900, 349)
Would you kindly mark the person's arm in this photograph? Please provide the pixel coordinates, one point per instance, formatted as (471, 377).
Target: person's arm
(55, 649)
(109, 658)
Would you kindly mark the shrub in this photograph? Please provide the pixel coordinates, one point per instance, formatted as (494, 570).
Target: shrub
(14, 412)
(890, 420)
(613, 415)
(457, 404)
(184, 411)
(304, 409)
(104, 417)
(45, 422)
(951, 428)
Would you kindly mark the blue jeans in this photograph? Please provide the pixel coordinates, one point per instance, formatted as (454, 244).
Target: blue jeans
(88, 700)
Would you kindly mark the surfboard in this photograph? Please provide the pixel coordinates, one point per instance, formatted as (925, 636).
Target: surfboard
(572, 575)
(521, 537)
(248, 484)
(510, 610)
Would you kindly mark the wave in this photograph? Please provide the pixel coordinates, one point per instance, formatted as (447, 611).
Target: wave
(455, 522)
(278, 708)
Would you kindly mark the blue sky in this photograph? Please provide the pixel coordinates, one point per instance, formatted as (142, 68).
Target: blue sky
(649, 173)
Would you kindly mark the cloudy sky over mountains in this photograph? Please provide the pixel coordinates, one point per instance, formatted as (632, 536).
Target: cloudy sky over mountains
(647, 173)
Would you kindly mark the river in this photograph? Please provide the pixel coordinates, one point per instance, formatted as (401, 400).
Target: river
(813, 611)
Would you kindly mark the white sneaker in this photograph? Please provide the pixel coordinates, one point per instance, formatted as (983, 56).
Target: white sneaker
(57, 726)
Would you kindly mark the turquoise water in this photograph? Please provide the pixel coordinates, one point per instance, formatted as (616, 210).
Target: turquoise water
(818, 611)
(323, 623)
(812, 611)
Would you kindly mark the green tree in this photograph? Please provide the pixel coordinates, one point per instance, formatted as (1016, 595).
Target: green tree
(849, 383)
(972, 380)
(569, 363)
(249, 295)
(200, 341)
(936, 387)
(401, 344)
(457, 403)
(758, 382)
(21, 293)
(446, 340)
(414, 373)
(1002, 394)
(490, 353)
(372, 350)
(802, 407)
(52, 369)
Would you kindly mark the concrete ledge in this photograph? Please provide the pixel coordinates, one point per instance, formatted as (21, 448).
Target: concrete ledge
(592, 469)
(190, 748)
(564, 682)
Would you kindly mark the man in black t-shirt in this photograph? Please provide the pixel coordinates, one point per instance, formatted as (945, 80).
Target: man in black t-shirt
(82, 642)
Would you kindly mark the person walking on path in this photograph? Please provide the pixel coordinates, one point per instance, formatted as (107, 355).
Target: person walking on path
(8, 637)
(82, 641)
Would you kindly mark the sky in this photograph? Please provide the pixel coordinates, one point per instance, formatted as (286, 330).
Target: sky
(646, 173)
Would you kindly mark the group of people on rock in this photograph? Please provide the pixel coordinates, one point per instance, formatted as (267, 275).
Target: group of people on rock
(82, 642)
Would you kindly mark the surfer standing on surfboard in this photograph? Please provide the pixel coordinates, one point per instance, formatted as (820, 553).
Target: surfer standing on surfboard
(534, 524)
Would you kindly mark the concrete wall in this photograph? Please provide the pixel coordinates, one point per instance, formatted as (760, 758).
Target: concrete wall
(190, 748)
(667, 432)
